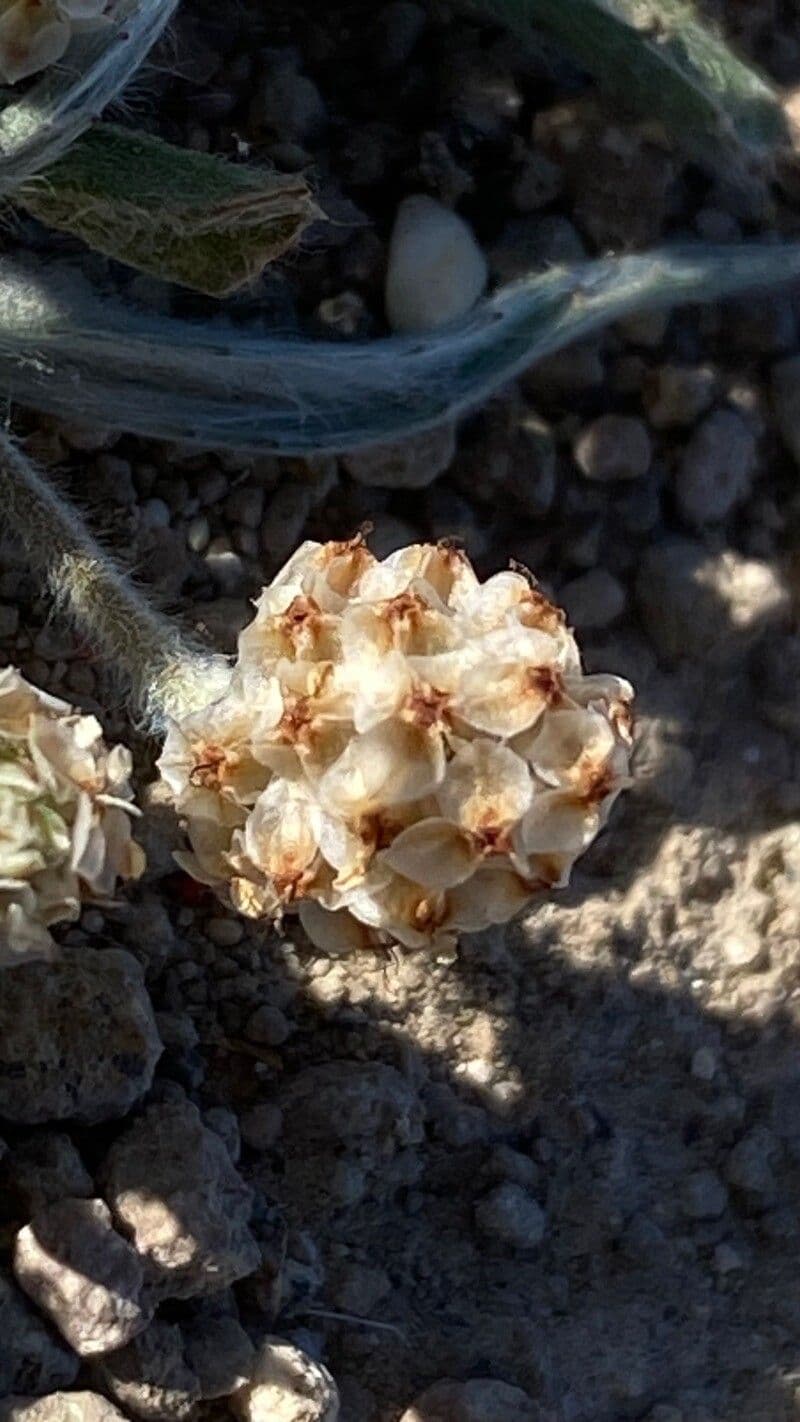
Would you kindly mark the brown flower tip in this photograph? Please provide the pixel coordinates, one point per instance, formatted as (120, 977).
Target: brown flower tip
(426, 707)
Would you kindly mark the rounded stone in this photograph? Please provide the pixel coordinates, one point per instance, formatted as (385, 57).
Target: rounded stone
(150, 1377)
(477, 1400)
(612, 448)
(436, 270)
(78, 1039)
(703, 1195)
(286, 1385)
(594, 600)
(411, 463)
(716, 469)
(509, 1214)
(72, 1263)
(177, 1194)
(60, 1407)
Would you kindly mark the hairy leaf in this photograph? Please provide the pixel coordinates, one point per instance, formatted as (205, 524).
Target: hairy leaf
(183, 216)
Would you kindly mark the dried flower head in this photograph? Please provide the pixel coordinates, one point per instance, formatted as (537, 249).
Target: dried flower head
(65, 810)
(35, 33)
(403, 753)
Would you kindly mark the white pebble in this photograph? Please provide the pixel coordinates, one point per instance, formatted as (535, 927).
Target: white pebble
(743, 948)
(286, 1386)
(224, 565)
(198, 534)
(436, 269)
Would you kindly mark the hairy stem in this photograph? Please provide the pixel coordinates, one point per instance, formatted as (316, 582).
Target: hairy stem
(167, 674)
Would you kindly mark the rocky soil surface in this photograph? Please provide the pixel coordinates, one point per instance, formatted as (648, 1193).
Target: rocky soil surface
(555, 1179)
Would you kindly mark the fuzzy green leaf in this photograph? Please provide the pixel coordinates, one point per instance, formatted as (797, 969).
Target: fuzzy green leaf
(182, 216)
(658, 56)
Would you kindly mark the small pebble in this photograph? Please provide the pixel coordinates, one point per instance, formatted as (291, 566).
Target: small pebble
(225, 932)
(538, 183)
(9, 620)
(727, 1260)
(535, 243)
(411, 463)
(509, 1214)
(224, 565)
(704, 1196)
(702, 605)
(225, 1125)
(749, 1167)
(398, 27)
(645, 328)
(704, 1064)
(212, 487)
(716, 469)
(743, 947)
(614, 447)
(286, 1385)
(268, 1026)
(476, 1400)
(246, 541)
(155, 513)
(436, 270)
(284, 519)
(678, 394)
(198, 534)
(292, 106)
(346, 313)
(261, 1125)
(246, 505)
(594, 600)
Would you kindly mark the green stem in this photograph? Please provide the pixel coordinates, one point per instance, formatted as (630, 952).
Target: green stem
(168, 675)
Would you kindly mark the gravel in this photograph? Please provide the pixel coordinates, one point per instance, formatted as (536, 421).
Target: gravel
(557, 1175)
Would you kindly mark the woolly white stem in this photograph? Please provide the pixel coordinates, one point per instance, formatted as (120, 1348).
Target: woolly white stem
(168, 675)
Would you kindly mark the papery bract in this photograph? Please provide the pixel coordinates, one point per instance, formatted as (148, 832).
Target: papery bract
(403, 753)
(35, 33)
(65, 817)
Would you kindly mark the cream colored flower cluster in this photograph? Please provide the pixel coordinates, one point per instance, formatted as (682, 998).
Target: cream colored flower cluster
(35, 33)
(65, 811)
(403, 752)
